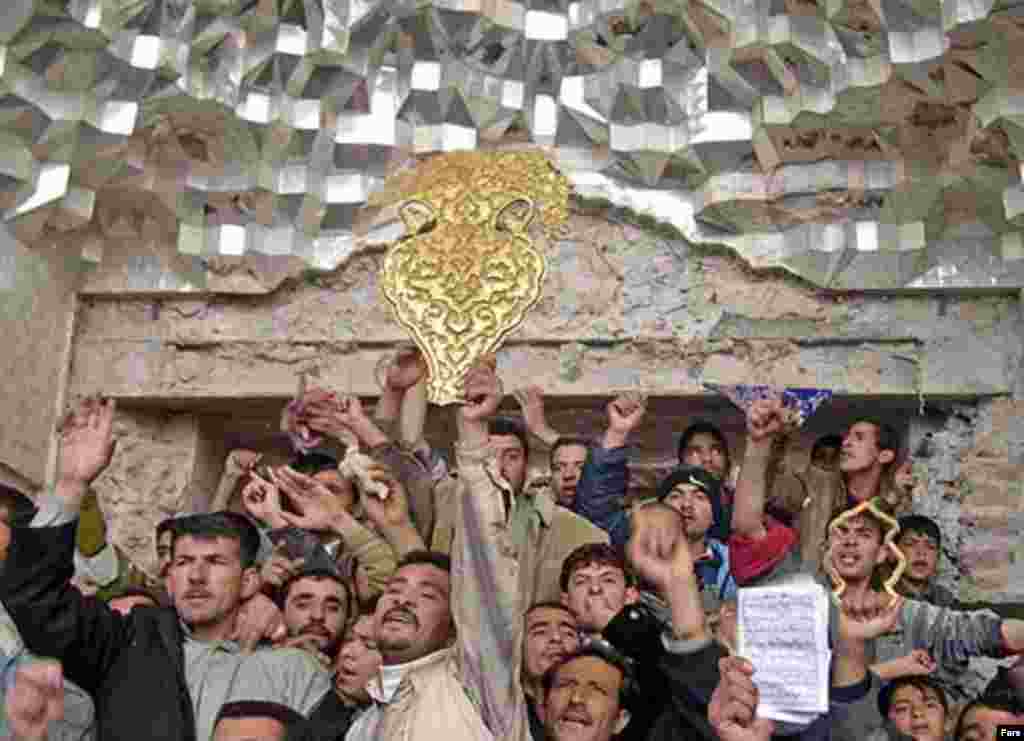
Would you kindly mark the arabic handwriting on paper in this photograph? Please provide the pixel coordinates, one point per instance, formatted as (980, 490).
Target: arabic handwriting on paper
(784, 634)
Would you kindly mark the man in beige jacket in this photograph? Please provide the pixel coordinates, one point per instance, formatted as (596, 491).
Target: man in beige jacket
(450, 633)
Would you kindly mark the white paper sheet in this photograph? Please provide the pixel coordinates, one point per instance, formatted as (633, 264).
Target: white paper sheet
(783, 632)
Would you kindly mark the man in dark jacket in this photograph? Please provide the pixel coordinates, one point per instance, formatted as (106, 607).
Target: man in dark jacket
(164, 672)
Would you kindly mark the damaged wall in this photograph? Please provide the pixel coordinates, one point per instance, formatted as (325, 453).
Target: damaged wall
(624, 307)
(37, 304)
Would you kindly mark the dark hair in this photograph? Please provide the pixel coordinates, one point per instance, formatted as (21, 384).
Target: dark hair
(600, 649)
(883, 527)
(566, 440)
(548, 604)
(510, 426)
(921, 524)
(704, 427)
(166, 524)
(1003, 698)
(317, 572)
(593, 554)
(283, 714)
(367, 608)
(437, 559)
(314, 462)
(20, 508)
(920, 682)
(222, 524)
(826, 441)
(885, 435)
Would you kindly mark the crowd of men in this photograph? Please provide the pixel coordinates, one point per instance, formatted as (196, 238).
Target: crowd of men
(415, 598)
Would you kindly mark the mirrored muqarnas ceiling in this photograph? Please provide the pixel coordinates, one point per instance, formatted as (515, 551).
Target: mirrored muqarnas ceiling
(857, 143)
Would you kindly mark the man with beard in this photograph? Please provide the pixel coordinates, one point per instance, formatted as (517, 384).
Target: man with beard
(448, 630)
(167, 670)
(315, 606)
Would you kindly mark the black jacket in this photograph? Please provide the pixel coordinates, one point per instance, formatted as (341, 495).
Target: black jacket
(674, 689)
(330, 719)
(133, 666)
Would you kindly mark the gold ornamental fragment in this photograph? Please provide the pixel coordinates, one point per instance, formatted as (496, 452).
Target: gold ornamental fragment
(468, 272)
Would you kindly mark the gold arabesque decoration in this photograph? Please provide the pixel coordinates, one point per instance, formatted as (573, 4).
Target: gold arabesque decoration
(892, 529)
(468, 272)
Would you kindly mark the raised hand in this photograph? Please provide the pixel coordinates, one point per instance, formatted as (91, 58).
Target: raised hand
(339, 417)
(86, 441)
(279, 569)
(657, 549)
(258, 619)
(391, 511)
(482, 392)
(917, 663)
(766, 419)
(262, 500)
(624, 415)
(733, 709)
(35, 699)
(531, 403)
(868, 616)
(244, 460)
(626, 411)
(405, 370)
(318, 507)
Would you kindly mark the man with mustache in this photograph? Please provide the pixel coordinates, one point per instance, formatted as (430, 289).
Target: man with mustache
(587, 696)
(167, 670)
(550, 635)
(315, 605)
(448, 629)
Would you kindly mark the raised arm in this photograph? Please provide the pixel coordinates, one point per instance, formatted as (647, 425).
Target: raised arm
(319, 510)
(531, 401)
(336, 417)
(764, 423)
(402, 408)
(53, 617)
(602, 488)
(485, 582)
(237, 465)
(854, 694)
